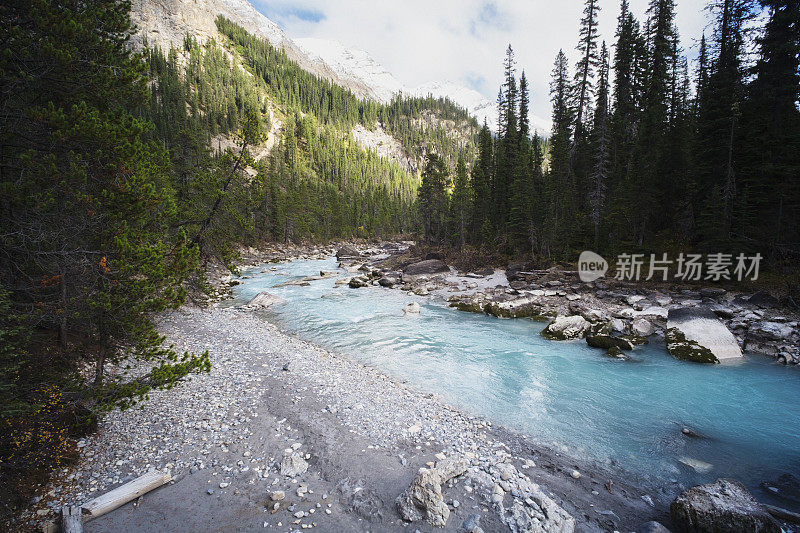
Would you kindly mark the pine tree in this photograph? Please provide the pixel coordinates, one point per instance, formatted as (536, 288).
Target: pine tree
(460, 204)
(507, 143)
(772, 164)
(481, 179)
(600, 170)
(560, 186)
(521, 176)
(720, 119)
(588, 62)
(433, 198)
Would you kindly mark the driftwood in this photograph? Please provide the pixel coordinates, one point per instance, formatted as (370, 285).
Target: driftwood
(71, 519)
(783, 514)
(122, 495)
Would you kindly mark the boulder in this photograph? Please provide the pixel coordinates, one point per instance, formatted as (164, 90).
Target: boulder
(293, 465)
(567, 327)
(652, 527)
(357, 282)
(617, 325)
(412, 308)
(696, 334)
(265, 299)
(787, 486)
(712, 292)
(387, 282)
(724, 505)
(607, 341)
(771, 331)
(641, 327)
(513, 271)
(763, 299)
(615, 352)
(423, 498)
(428, 267)
(347, 252)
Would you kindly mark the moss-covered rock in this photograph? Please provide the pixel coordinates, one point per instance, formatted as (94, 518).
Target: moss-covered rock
(607, 342)
(636, 340)
(615, 353)
(687, 350)
(526, 311)
(471, 307)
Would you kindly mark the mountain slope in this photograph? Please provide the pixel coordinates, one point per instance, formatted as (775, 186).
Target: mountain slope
(165, 23)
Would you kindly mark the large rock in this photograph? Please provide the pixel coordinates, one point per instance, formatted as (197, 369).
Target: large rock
(423, 498)
(567, 327)
(642, 327)
(265, 299)
(428, 267)
(347, 252)
(513, 271)
(770, 331)
(293, 465)
(607, 341)
(696, 334)
(724, 505)
(412, 308)
(787, 486)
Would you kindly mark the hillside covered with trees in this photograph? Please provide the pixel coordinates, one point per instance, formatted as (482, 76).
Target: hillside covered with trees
(646, 154)
(123, 172)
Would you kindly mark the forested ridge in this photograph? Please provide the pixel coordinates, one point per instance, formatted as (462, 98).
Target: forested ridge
(122, 172)
(647, 154)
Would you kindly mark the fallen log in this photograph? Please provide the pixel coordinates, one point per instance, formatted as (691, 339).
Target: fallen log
(71, 519)
(782, 514)
(122, 495)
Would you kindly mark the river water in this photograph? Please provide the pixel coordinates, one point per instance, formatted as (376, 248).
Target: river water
(563, 394)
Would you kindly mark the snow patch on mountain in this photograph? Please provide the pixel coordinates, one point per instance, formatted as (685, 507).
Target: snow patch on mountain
(353, 63)
(359, 66)
(474, 102)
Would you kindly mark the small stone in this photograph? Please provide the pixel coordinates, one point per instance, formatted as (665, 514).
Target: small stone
(277, 496)
(575, 474)
(210, 491)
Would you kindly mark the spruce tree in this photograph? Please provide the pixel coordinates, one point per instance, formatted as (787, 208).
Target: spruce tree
(560, 186)
(460, 204)
(772, 165)
(585, 68)
(600, 169)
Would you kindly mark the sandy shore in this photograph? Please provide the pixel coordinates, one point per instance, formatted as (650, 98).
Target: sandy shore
(364, 436)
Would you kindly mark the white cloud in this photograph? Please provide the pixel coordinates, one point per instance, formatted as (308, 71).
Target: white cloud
(464, 40)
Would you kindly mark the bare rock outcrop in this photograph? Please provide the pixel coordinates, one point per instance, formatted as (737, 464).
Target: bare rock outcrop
(724, 505)
(423, 498)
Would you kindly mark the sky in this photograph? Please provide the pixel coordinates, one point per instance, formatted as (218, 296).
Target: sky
(464, 41)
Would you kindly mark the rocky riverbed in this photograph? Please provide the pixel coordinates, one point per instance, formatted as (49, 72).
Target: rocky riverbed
(287, 436)
(284, 435)
(758, 321)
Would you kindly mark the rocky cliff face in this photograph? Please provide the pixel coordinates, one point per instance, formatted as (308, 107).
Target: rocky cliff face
(165, 23)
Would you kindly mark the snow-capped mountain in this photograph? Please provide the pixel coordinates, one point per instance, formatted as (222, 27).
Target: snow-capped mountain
(359, 66)
(165, 23)
(353, 63)
(478, 105)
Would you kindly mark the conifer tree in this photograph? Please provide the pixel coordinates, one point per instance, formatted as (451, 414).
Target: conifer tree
(460, 204)
(772, 166)
(560, 186)
(600, 169)
(433, 198)
(585, 68)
